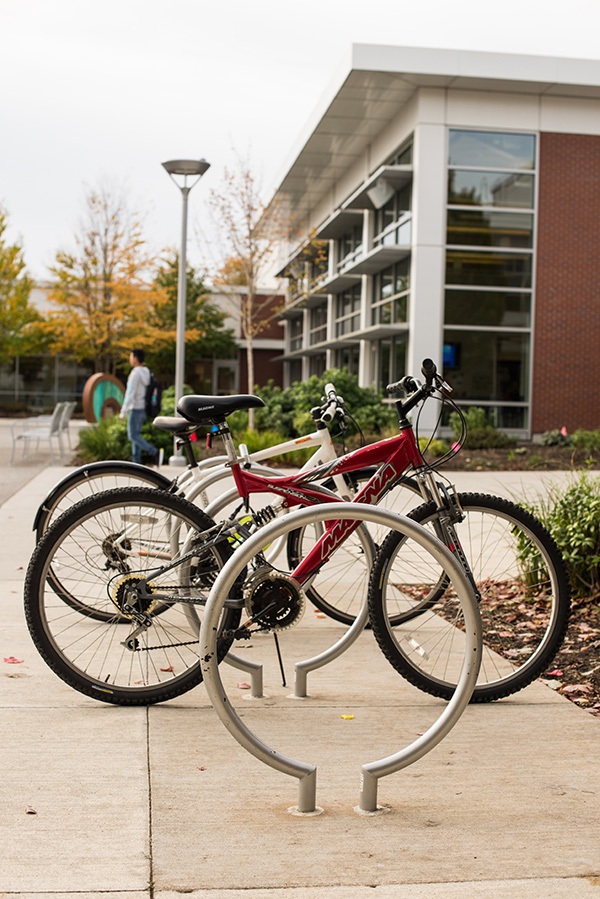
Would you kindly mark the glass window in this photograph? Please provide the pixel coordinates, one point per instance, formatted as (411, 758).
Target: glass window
(469, 188)
(318, 364)
(392, 280)
(492, 149)
(490, 228)
(349, 246)
(390, 303)
(492, 268)
(348, 359)
(347, 311)
(318, 325)
(295, 371)
(392, 359)
(488, 308)
(487, 365)
(403, 156)
(390, 214)
(296, 333)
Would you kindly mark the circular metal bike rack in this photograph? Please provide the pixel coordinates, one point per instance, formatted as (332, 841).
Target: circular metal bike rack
(371, 772)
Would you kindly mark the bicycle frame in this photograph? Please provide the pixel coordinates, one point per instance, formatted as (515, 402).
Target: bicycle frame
(394, 456)
(203, 479)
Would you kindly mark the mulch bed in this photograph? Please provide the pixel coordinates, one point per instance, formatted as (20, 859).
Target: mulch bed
(526, 457)
(575, 672)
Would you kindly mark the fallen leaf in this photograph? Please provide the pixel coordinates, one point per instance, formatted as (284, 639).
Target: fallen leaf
(556, 673)
(243, 685)
(320, 615)
(200, 768)
(346, 717)
(29, 810)
(167, 668)
(11, 660)
(577, 688)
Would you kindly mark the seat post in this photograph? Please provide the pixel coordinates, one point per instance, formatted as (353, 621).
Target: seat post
(225, 435)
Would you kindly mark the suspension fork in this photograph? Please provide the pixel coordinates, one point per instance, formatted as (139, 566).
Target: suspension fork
(449, 513)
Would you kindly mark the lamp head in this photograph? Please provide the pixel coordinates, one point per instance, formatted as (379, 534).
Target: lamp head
(186, 167)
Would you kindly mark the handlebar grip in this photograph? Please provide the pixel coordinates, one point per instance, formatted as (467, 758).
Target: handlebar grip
(329, 410)
(428, 370)
(330, 391)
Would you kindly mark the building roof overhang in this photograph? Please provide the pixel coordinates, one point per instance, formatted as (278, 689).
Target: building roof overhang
(376, 82)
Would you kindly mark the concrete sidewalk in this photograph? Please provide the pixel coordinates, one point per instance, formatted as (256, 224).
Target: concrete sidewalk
(161, 802)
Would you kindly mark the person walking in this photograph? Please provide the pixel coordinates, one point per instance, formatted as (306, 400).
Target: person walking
(134, 404)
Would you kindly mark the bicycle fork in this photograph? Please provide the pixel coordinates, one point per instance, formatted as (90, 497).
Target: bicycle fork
(449, 513)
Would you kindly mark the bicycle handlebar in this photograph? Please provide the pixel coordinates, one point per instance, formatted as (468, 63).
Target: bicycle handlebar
(418, 391)
(332, 407)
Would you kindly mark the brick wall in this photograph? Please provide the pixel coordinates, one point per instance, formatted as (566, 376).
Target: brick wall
(566, 380)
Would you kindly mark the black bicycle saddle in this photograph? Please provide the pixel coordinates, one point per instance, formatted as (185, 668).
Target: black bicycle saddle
(200, 409)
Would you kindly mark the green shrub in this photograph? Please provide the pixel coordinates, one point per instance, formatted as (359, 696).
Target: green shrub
(108, 440)
(586, 440)
(556, 438)
(572, 516)
(287, 411)
(481, 434)
(434, 447)
(105, 440)
(167, 404)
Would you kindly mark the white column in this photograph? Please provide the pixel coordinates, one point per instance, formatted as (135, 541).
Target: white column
(426, 308)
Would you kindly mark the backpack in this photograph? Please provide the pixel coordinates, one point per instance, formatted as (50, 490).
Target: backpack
(153, 397)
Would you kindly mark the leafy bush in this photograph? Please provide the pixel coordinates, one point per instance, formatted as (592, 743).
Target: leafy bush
(167, 405)
(108, 440)
(434, 448)
(105, 440)
(287, 411)
(587, 440)
(572, 516)
(556, 438)
(480, 433)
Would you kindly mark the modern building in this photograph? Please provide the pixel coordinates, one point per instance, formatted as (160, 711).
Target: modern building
(447, 205)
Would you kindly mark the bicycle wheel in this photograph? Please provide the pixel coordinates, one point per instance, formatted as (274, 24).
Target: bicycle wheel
(89, 480)
(126, 552)
(525, 601)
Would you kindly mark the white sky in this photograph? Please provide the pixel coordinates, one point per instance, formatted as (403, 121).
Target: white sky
(106, 90)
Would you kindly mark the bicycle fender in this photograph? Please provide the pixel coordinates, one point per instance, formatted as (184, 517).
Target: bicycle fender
(159, 481)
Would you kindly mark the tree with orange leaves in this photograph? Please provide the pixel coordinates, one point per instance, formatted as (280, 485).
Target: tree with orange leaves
(102, 292)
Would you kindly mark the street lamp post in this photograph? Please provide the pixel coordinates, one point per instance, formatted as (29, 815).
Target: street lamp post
(184, 169)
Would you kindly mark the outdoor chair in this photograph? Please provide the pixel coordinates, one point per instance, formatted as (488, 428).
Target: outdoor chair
(67, 414)
(42, 427)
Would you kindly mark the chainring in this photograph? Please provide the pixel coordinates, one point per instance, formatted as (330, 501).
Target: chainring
(274, 600)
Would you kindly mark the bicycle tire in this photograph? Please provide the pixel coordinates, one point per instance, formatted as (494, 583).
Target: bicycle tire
(89, 480)
(524, 587)
(103, 544)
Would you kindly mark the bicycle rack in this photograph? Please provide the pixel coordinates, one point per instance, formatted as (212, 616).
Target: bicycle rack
(254, 669)
(372, 772)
